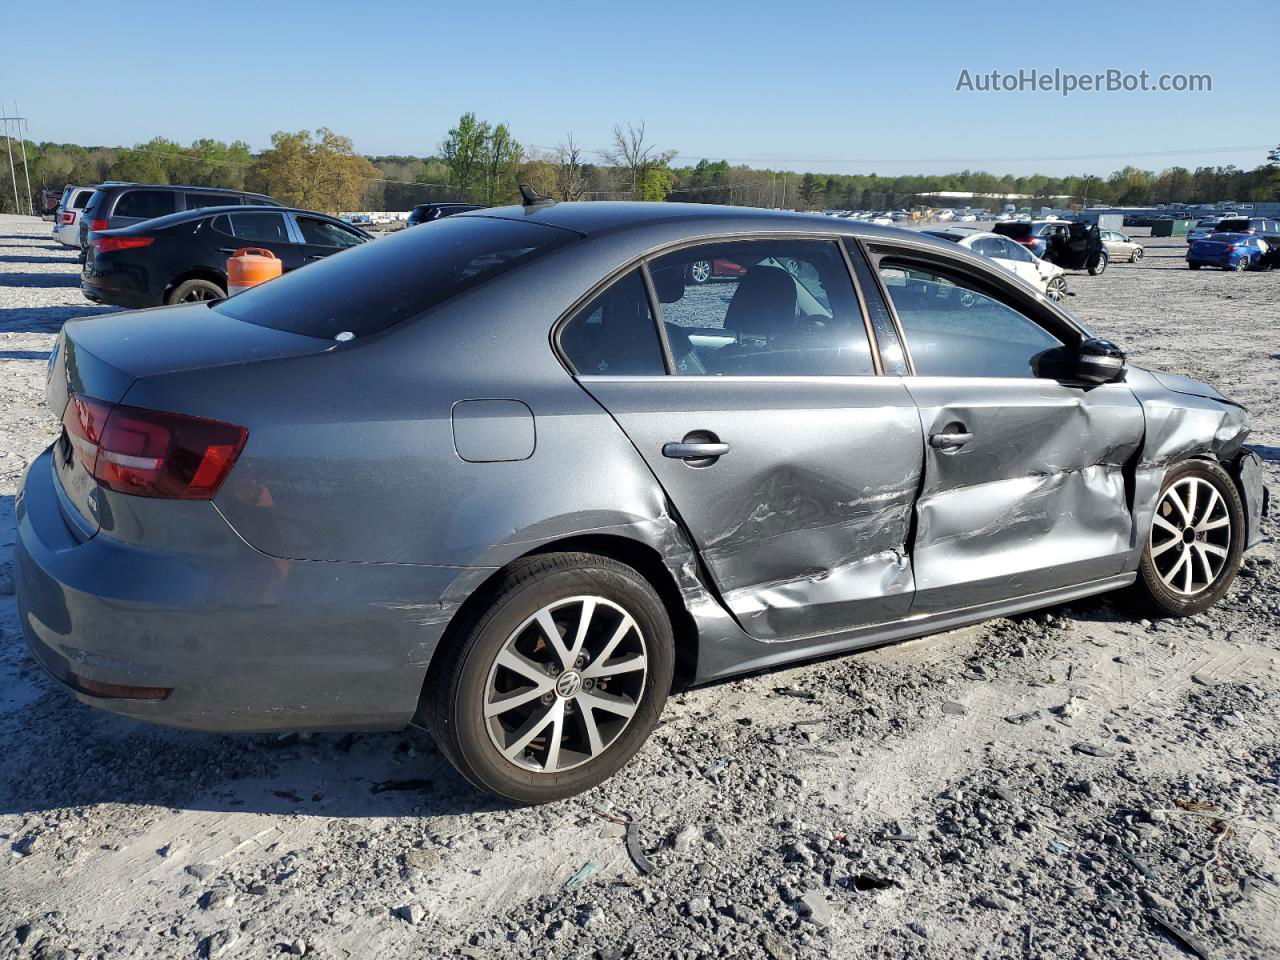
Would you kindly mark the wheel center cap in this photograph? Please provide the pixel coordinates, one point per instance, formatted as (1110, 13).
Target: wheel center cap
(1188, 535)
(568, 684)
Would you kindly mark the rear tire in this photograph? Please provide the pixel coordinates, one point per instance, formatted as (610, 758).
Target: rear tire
(700, 271)
(1242, 265)
(196, 291)
(1193, 266)
(506, 654)
(1178, 576)
(1099, 266)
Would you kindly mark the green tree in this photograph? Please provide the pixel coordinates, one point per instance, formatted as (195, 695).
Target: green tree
(320, 173)
(501, 157)
(464, 151)
(655, 184)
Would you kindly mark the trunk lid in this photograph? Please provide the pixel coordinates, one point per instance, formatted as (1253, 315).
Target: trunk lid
(101, 357)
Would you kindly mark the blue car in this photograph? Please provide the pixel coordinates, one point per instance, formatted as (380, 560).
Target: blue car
(1230, 251)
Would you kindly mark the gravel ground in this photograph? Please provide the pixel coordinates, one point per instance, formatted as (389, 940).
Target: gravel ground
(1076, 783)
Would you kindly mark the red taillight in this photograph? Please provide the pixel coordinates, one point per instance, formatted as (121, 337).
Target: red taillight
(97, 224)
(1231, 248)
(149, 453)
(111, 244)
(69, 217)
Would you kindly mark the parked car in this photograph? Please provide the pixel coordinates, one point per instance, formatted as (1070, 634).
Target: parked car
(426, 212)
(183, 257)
(1120, 246)
(700, 271)
(1046, 277)
(1253, 226)
(1072, 246)
(501, 476)
(66, 218)
(1229, 251)
(1202, 229)
(966, 218)
(116, 205)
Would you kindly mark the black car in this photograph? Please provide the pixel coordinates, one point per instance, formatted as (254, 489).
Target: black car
(1068, 244)
(426, 212)
(183, 257)
(115, 204)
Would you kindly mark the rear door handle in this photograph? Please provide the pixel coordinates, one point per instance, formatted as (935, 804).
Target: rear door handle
(694, 451)
(943, 440)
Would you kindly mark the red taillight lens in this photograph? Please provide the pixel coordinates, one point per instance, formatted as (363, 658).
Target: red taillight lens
(1231, 248)
(149, 453)
(97, 224)
(110, 244)
(68, 218)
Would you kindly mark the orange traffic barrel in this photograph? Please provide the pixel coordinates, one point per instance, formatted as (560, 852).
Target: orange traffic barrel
(250, 266)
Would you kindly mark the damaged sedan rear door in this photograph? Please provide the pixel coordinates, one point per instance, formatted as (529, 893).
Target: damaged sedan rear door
(1024, 485)
(755, 400)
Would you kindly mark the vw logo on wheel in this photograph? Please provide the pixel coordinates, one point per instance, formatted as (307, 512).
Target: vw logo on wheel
(568, 684)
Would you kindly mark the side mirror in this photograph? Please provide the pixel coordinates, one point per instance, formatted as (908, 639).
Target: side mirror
(1099, 361)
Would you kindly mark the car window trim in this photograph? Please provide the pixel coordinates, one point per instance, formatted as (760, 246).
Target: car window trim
(655, 314)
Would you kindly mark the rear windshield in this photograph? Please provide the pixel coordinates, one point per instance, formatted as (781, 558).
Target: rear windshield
(1015, 230)
(375, 285)
(1232, 226)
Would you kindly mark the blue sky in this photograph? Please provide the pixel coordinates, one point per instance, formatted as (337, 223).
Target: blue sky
(838, 87)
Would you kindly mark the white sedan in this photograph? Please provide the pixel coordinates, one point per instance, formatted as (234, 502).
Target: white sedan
(1049, 279)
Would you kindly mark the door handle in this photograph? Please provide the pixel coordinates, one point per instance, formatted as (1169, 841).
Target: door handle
(694, 451)
(942, 441)
(228, 249)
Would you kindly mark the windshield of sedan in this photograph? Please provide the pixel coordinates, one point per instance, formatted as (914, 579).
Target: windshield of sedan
(373, 286)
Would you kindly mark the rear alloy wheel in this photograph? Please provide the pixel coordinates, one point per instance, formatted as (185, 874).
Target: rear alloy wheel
(1195, 543)
(558, 682)
(1242, 265)
(1137, 255)
(197, 291)
(700, 271)
(1100, 265)
(1056, 289)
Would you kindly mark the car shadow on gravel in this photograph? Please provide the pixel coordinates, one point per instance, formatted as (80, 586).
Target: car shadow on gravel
(24, 354)
(69, 259)
(39, 279)
(1266, 452)
(46, 319)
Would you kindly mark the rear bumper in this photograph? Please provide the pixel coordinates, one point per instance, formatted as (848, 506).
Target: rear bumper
(245, 642)
(116, 290)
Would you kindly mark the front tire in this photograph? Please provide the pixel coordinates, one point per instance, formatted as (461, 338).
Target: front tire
(1057, 289)
(1196, 540)
(1137, 255)
(1241, 265)
(557, 682)
(1193, 266)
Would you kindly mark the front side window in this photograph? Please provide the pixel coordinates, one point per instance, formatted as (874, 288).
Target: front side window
(323, 233)
(615, 334)
(145, 204)
(953, 329)
(762, 308)
(260, 227)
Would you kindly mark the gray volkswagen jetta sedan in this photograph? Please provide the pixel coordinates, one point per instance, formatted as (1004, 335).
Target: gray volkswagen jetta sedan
(506, 475)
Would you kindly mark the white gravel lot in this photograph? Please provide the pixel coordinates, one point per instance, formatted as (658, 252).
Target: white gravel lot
(1078, 783)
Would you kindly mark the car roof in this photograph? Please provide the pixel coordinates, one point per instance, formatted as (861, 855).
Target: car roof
(592, 218)
(182, 216)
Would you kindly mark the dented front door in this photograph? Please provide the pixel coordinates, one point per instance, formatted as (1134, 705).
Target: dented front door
(1024, 487)
(804, 517)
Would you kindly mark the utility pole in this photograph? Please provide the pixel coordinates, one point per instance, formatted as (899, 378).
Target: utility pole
(23, 134)
(13, 174)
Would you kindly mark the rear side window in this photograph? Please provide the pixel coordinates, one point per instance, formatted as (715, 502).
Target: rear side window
(263, 227)
(196, 201)
(376, 285)
(81, 199)
(615, 334)
(762, 308)
(955, 330)
(324, 233)
(145, 204)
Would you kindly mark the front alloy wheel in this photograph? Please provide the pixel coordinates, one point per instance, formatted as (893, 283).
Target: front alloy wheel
(1195, 543)
(1057, 289)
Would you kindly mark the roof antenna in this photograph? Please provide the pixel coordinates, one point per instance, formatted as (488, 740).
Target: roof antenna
(531, 198)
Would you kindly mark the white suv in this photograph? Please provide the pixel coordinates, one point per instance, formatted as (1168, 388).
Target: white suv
(66, 218)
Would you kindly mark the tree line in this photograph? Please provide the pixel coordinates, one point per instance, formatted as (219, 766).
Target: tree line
(480, 161)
